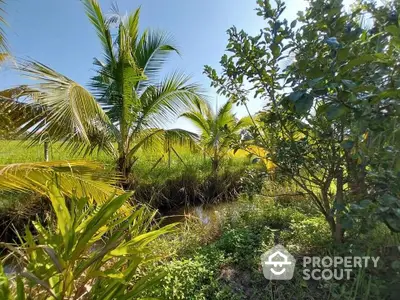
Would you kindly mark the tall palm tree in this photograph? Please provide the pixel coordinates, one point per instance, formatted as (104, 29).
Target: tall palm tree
(129, 103)
(219, 129)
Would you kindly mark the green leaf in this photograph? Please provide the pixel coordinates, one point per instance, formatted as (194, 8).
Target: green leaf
(312, 83)
(304, 103)
(363, 59)
(349, 84)
(392, 222)
(60, 208)
(343, 54)
(295, 96)
(393, 30)
(347, 144)
(389, 200)
(20, 289)
(101, 218)
(365, 203)
(275, 49)
(335, 111)
(346, 222)
(4, 285)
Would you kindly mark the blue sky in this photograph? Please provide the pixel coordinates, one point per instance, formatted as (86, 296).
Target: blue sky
(58, 34)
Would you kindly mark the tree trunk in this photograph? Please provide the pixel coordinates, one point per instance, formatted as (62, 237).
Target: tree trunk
(124, 166)
(356, 178)
(338, 233)
(215, 165)
(46, 150)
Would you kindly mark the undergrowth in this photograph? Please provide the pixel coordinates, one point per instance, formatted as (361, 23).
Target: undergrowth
(221, 258)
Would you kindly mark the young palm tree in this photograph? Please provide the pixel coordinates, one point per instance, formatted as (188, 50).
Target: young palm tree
(218, 129)
(129, 103)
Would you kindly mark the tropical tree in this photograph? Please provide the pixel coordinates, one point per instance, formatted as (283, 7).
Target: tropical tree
(219, 129)
(129, 104)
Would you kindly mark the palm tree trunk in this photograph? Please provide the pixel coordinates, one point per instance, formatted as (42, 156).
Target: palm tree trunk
(215, 161)
(124, 166)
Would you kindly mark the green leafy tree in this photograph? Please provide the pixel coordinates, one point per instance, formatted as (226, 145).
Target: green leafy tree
(219, 129)
(329, 82)
(129, 103)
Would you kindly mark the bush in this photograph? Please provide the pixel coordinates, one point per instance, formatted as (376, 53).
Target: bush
(93, 253)
(193, 278)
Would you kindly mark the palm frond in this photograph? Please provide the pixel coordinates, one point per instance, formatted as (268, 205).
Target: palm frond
(3, 57)
(3, 40)
(218, 129)
(181, 137)
(224, 116)
(69, 112)
(198, 119)
(151, 52)
(164, 102)
(15, 114)
(160, 139)
(132, 23)
(96, 17)
(74, 178)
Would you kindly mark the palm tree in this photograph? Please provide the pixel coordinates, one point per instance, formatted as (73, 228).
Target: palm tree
(129, 103)
(218, 129)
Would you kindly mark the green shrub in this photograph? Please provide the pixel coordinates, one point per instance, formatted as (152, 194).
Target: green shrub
(310, 235)
(193, 278)
(93, 253)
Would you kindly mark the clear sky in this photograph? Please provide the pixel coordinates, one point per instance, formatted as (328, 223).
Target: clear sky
(58, 34)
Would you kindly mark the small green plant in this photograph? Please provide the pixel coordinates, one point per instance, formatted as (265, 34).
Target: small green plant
(93, 253)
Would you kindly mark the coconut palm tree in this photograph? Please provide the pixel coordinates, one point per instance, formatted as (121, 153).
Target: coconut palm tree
(219, 129)
(129, 103)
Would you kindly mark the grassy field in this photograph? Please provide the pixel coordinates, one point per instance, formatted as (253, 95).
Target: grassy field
(21, 152)
(12, 151)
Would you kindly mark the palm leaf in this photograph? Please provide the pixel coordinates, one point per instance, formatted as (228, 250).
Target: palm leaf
(69, 112)
(159, 140)
(151, 52)
(198, 119)
(74, 178)
(3, 40)
(164, 102)
(96, 17)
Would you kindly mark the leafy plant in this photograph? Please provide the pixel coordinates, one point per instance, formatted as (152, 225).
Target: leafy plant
(331, 90)
(94, 252)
